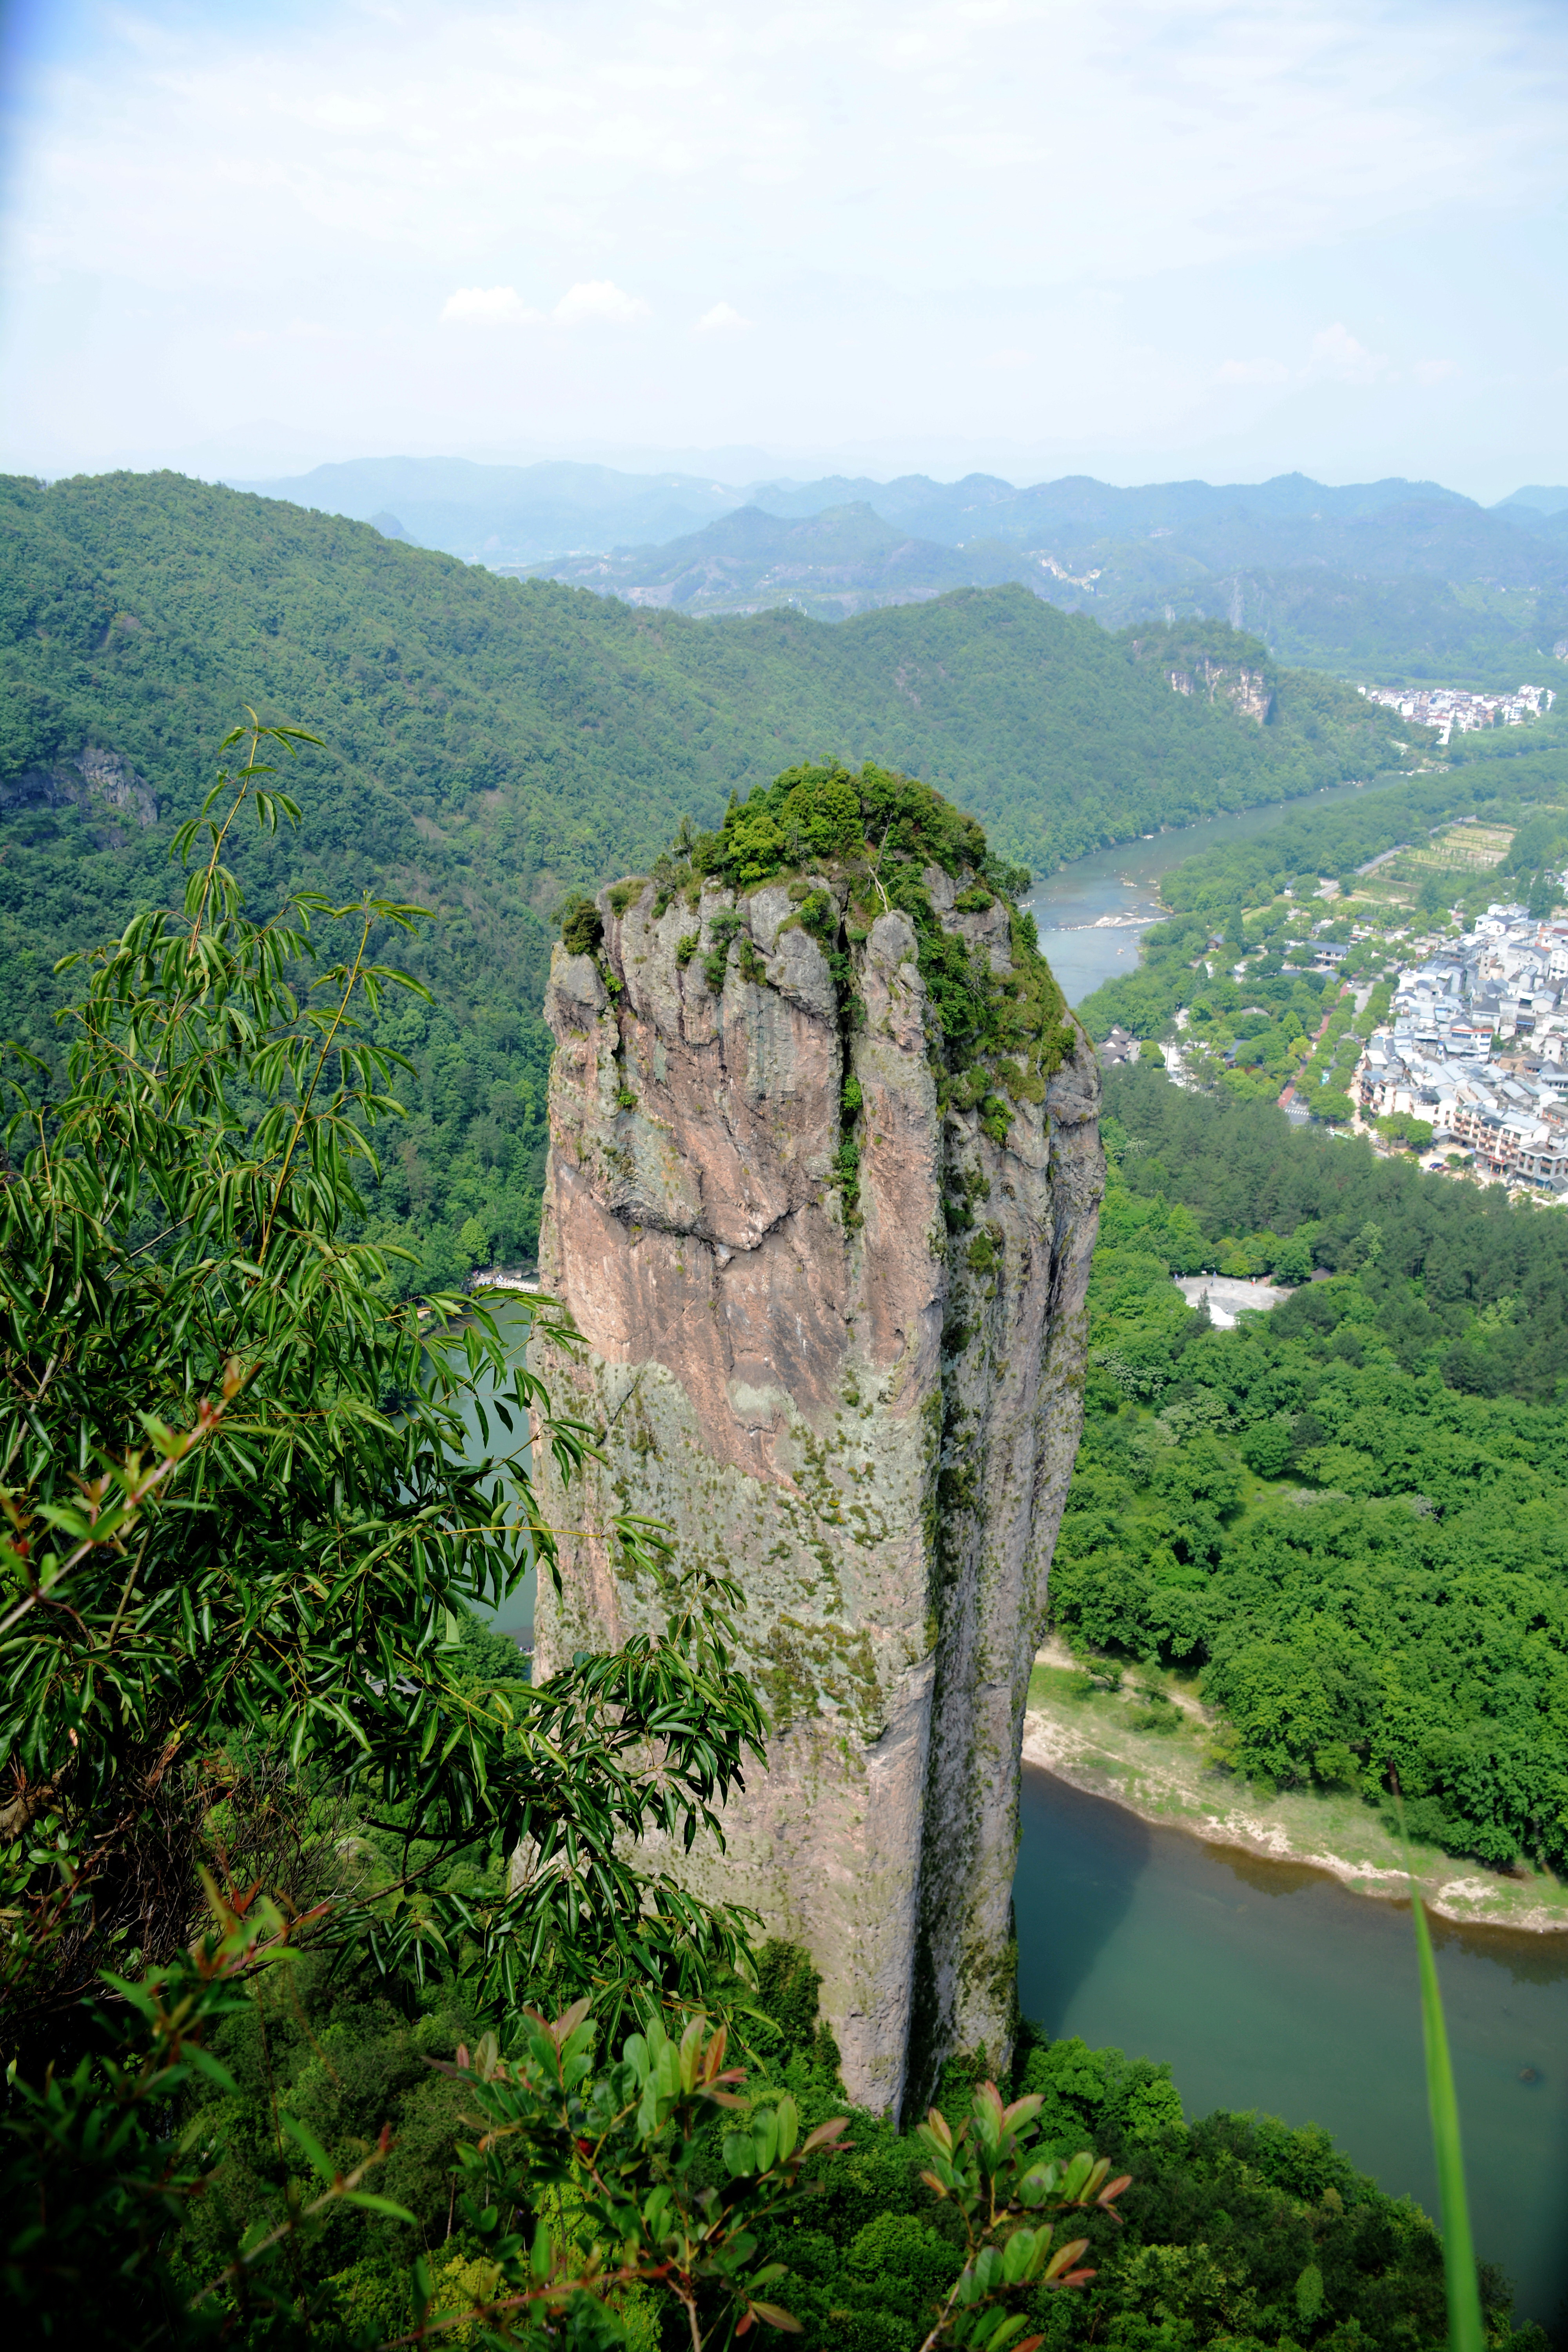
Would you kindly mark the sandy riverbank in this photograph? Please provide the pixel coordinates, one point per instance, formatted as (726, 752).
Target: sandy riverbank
(1102, 1741)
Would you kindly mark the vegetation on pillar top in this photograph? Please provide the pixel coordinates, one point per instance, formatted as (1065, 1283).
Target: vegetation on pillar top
(813, 813)
(854, 845)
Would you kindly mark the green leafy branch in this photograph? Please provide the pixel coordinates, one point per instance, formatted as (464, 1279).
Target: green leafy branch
(993, 2170)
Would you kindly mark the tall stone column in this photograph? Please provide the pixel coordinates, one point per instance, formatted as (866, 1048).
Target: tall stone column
(864, 1409)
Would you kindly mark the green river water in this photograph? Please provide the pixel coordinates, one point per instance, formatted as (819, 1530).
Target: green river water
(1267, 1985)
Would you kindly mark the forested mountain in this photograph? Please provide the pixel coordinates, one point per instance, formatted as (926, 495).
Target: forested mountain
(1393, 579)
(491, 742)
(843, 561)
(1534, 503)
(1390, 581)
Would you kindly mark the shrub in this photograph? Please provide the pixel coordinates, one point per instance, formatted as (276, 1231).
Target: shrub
(581, 927)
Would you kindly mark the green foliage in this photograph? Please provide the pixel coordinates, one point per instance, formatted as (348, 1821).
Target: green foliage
(581, 926)
(997, 2174)
(243, 1524)
(1399, 1127)
(939, 2237)
(1225, 2217)
(1222, 2220)
(606, 2168)
(95, 2168)
(722, 931)
(786, 1994)
(1467, 2327)
(1391, 1598)
(825, 814)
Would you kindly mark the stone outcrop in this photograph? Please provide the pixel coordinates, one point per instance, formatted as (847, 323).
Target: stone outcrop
(102, 784)
(834, 1333)
(1248, 690)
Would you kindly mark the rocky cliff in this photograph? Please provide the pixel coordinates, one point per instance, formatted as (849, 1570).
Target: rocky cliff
(822, 1185)
(1248, 690)
(102, 784)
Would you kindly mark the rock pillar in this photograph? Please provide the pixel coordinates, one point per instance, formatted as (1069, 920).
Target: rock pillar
(833, 1336)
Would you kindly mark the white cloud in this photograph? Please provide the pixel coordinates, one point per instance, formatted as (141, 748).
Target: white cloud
(721, 319)
(591, 300)
(486, 306)
(1336, 357)
(1433, 371)
(598, 297)
(1252, 371)
(1227, 170)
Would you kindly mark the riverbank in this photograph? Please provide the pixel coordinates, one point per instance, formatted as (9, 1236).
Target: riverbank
(1146, 1747)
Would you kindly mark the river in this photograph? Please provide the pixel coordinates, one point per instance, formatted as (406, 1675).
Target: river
(1072, 906)
(1268, 1985)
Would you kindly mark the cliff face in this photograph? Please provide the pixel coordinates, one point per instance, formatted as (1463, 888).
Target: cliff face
(833, 1336)
(102, 784)
(1247, 689)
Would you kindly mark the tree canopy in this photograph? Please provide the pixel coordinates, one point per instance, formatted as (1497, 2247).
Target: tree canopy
(1350, 1511)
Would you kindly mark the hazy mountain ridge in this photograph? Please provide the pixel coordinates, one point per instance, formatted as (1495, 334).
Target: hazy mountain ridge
(1393, 579)
(558, 506)
(1419, 589)
(842, 560)
(511, 514)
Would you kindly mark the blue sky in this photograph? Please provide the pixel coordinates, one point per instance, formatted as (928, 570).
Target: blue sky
(1133, 237)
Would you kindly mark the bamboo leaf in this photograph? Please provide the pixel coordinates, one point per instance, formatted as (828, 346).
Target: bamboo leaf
(1466, 2331)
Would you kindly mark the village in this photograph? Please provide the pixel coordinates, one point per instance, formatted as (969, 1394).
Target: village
(1476, 1045)
(1457, 1055)
(1454, 711)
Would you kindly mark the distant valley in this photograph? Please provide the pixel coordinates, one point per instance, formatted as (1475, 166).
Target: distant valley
(1400, 582)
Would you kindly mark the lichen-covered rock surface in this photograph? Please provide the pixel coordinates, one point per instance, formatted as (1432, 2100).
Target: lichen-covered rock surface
(823, 1184)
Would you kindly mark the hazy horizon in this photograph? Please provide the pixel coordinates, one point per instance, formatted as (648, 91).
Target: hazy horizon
(248, 459)
(1139, 239)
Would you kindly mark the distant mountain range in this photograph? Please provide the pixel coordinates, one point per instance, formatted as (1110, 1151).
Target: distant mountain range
(1398, 580)
(842, 560)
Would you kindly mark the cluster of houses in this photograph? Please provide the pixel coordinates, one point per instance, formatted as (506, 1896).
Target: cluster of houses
(1478, 1045)
(1453, 712)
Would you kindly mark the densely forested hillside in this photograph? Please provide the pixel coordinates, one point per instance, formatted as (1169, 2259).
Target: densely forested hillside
(490, 743)
(845, 560)
(139, 605)
(1351, 1512)
(1385, 580)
